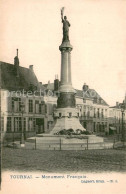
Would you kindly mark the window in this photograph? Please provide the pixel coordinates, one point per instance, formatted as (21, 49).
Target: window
(70, 114)
(94, 126)
(36, 106)
(17, 124)
(43, 109)
(88, 112)
(103, 127)
(98, 114)
(31, 106)
(50, 109)
(19, 104)
(102, 114)
(8, 124)
(32, 124)
(84, 100)
(12, 104)
(105, 112)
(54, 107)
(2, 123)
(16, 104)
(119, 129)
(94, 112)
(40, 108)
(98, 127)
(49, 124)
(60, 114)
(85, 125)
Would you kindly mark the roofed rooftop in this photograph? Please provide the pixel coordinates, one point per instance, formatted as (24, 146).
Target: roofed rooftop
(25, 80)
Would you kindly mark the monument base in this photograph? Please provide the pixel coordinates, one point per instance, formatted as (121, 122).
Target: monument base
(67, 118)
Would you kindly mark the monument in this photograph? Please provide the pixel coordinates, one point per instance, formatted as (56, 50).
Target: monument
(66, 134)
(66, 114)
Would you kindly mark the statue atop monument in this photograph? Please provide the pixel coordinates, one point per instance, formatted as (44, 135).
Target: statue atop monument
(66, 26)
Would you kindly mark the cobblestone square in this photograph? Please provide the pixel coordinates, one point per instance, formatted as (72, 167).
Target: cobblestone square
(110, 160)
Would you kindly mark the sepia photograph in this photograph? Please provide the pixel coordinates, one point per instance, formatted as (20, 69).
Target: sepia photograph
(63, 96)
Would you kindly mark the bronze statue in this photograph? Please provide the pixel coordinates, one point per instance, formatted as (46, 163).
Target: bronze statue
(66, 26)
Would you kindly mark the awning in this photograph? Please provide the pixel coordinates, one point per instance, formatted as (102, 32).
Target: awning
(113, 128)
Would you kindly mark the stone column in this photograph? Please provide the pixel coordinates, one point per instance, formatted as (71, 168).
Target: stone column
(66, 82)
(66, 66)
(67, 93)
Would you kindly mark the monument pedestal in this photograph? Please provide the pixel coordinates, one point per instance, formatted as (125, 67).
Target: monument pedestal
(67, 118)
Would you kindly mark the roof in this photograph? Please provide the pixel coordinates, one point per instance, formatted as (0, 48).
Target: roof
(119, 106)
(49, 86)
(26, 80)
(89, 94)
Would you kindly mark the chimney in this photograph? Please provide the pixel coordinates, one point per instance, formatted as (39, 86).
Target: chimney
(56, 83)
(31, 67)
(16, 64)
(117, 104)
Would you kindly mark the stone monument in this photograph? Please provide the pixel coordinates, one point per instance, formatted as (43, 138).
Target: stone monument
(67, 114)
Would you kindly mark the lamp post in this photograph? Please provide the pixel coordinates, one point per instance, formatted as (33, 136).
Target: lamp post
(14, 99)
(22, 127)
(13, 123)
(123, 128)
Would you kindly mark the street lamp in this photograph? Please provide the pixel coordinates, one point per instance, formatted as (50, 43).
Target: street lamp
(123, 128)
(22, 127)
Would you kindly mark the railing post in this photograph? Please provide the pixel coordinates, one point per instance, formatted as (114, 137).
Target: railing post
(113, 142)
(60, 144)
(87, 143)
(35, 143)
(13, 139)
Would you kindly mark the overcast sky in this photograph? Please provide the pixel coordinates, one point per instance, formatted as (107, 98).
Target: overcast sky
(97, 34)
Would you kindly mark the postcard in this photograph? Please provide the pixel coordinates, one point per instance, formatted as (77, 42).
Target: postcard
(63, 96)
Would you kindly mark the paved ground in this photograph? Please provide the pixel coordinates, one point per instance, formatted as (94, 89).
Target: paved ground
(64, 161)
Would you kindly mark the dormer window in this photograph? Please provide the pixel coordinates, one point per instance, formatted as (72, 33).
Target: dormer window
(84, 100)
(70, 114)
(60, 115)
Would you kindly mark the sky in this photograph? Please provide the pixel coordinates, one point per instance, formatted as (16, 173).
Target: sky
(97, 34)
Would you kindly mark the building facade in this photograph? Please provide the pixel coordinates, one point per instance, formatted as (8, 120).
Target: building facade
(20, 85)
(117, 117)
